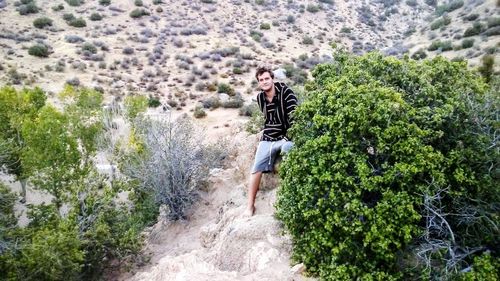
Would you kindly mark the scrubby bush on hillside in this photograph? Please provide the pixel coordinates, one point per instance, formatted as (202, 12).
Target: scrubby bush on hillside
(476, 28)
(28, 8)
(139, 12)
(440, 45)
(449, 7)
(39, 50)
(445, 20)
(77, 22)
(95, 17)
(74, 3)
(394, 172)
(105, 2)
(42, 22)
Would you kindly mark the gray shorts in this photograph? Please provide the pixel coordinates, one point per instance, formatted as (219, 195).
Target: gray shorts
(266, 154)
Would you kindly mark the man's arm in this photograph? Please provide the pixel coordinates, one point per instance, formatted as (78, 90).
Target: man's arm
(290, 104)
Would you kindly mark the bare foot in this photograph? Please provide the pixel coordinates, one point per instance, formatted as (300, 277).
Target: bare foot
(249, 212)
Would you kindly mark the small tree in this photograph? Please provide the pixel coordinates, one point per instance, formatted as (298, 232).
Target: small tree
(171, 162)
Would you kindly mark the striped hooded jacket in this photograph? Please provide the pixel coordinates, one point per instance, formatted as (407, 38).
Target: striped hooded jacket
(277, 113)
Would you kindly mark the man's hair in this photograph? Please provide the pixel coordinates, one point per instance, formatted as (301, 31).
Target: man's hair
(263, 69)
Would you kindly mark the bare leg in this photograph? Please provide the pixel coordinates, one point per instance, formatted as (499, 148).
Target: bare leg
(252, 192)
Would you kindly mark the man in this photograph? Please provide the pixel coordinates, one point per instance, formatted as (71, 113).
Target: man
(277, 102)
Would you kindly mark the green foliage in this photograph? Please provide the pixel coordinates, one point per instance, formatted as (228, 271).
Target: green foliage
(135, 105)
(376, 138)
(297, 75)
(105, 2)
(77, 22)
(467, 43)
(138, 3)
(256, 35)
(493, 21)
(153, 101)
(58, 7)
(441, 22)
(29, 8)
(442, 46)
(265, 26)
(138, 13)
(68, 17)
(485, 267)
(42, 22)
(89, 47)
(74, 3)
(487, 67)
(39, 50)
(307, 40)
(225, 88)
(95, 17)
(449, 7)
(476, 29)
(311, 8)
(199, 112)
(419, 54)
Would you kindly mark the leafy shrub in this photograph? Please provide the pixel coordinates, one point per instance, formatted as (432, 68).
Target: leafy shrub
(78, 22)
(492, 31)
(225, 88)
(256, 35)
(297, 75)
(68, 17)
(265, 26)
(138, 13)
(199, 112)
(153, 101)
(234, 102)
(29, 8)
(42, 22)
(74, 3)
(443, 21)
(471, 17)
(419, 54)
(381, 146)
(487, 67)
(211, 102)
(138, 3)
(449, 7)
(467, 43)
(95, 17)
(58, 7)
(89, 47)
(311, 8)
(290, 19)
(493, 21)
(105, 2)
(307, 40)
(39, 50)
(476, 28)
(440, 45)
(134, 106)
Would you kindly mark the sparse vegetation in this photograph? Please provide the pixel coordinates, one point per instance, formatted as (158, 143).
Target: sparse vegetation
(449, 7)
(476, 29)
(199, 112)
(138, 13)
(95, 17)
(307, 40)
(440, 45)
(225, 88)
(105, 2)
(441, 22)
(42, 22)
(467, 43)
(28, 8)
(77, 22)
(39, 50)
(265, 26)
(74, 3)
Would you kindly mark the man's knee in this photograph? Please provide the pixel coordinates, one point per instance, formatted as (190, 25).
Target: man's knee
(286, 147)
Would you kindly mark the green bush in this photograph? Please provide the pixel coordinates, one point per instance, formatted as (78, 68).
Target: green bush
(58, 7)
(419, 54)
(105, 2)
(139, 12)
(381, 146)
(476, 28)
(68, 17)
(29, 8)
(311, 8)
(440, 45)
(467, 43)
(95, 17)
(199, 112)
(441, 22)
(138, 3)
(78, 22)
(89, 47)
(42, 22)
(307, 40)
(449, 7)
(153, 101)
(39, 50)
(265, 26)
(74, 3)
(225, 88)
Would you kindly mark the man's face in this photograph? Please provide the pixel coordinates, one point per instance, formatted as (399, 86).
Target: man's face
(265, 81)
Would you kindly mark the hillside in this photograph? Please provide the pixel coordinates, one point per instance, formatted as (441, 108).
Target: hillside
(203, 53)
